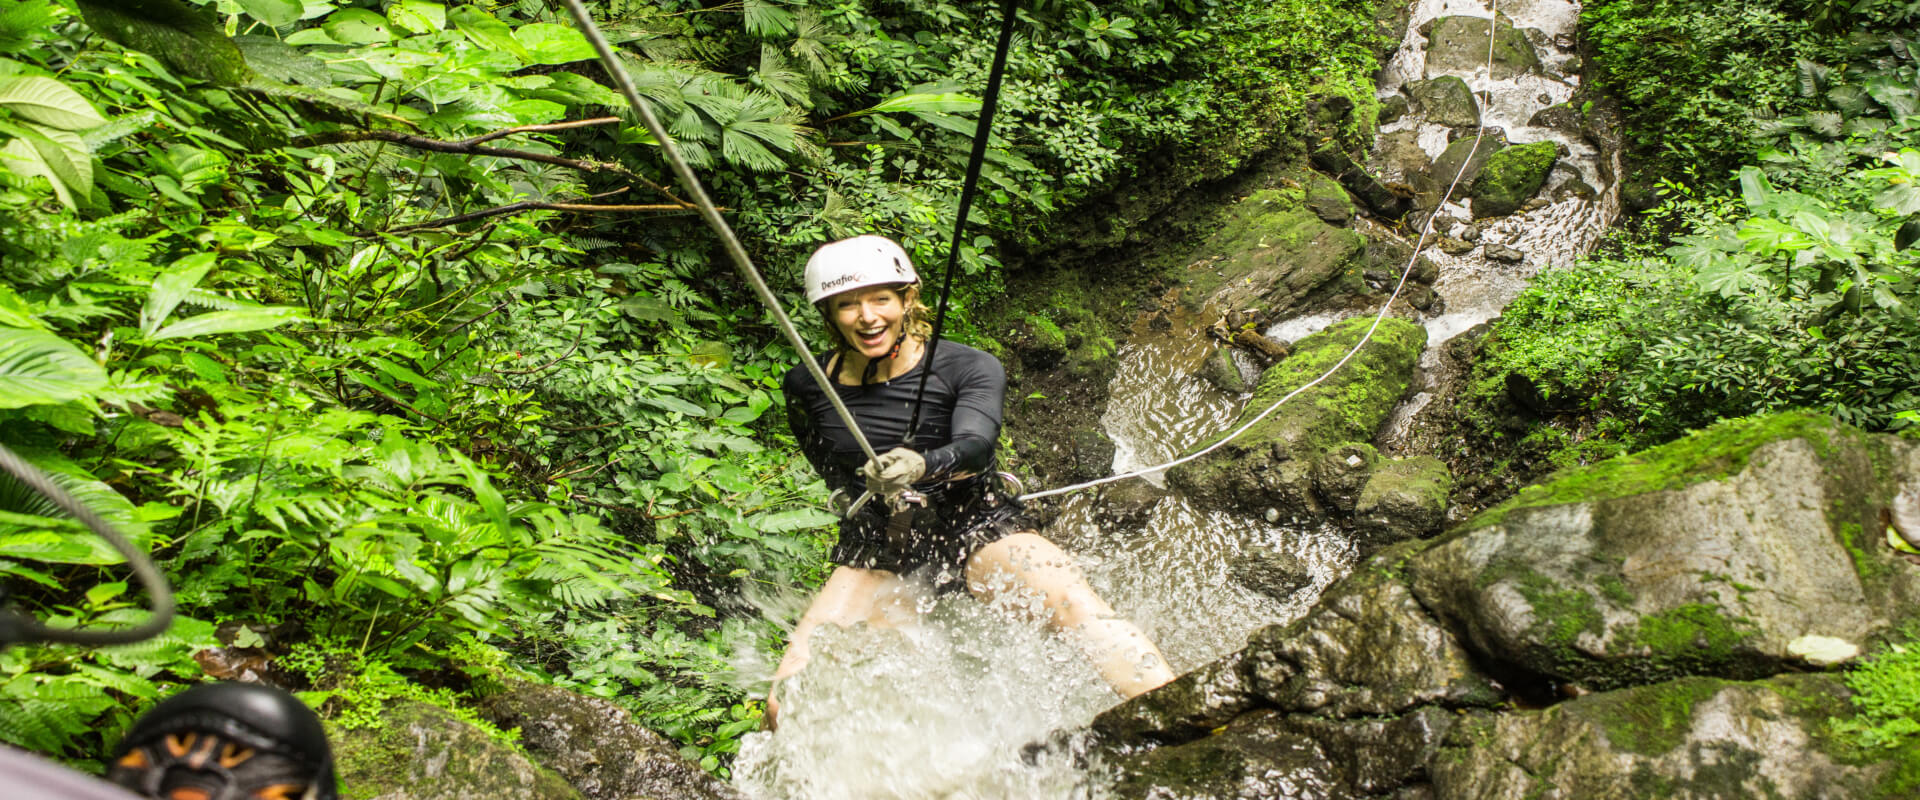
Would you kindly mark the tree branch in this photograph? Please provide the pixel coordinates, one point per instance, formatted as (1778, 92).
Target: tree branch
(528, 205)
(473, 147)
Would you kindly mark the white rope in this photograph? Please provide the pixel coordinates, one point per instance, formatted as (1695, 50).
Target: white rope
(1425, 230)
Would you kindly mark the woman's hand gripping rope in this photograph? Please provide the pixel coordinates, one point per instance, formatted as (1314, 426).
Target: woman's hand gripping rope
(894, 471)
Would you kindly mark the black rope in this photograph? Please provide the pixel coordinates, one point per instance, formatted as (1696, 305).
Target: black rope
(979, 156)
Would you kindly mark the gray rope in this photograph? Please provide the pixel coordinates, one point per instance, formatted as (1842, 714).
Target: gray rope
(15, 628)
(1426, 229)
(712, 216)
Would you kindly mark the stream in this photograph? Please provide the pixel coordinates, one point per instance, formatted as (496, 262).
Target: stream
(947, 708)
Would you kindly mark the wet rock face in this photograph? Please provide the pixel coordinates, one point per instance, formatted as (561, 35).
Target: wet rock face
(1694, 738)
(1446, 100)
(1253, 757)
(424, 753)
(1269, 465)
(1459, 44)
(1463, 160)
(597, 746)
(1707, 556)
(1511, 177)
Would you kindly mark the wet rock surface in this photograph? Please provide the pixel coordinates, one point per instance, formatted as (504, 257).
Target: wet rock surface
(1273, 252)
(1446, 100)
(1404, 498)
(1511, 177)
(1459, 44)
(598, 748)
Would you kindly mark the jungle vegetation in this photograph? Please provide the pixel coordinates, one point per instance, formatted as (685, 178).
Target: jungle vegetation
(384, 328)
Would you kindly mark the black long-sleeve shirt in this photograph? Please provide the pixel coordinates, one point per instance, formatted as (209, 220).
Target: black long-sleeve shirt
(959, 425)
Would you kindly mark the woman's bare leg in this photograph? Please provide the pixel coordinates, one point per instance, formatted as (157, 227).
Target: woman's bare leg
(851, 594)
(1027, 562)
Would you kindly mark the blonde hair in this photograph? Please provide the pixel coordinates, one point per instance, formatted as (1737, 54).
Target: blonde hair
(918, 322)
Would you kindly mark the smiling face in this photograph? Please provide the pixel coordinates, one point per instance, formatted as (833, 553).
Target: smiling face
(869, 320)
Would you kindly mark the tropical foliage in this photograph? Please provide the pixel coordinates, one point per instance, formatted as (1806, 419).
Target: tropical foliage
(381, 324)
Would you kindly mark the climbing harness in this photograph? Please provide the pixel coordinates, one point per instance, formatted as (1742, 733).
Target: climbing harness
(1426, 229)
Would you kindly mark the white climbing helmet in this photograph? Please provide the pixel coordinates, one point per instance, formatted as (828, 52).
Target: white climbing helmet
(857, 263)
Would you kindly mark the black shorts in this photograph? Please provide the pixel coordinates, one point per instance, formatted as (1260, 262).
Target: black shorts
(956, 523)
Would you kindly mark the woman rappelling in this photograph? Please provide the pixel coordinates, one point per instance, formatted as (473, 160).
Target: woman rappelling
(938, 505)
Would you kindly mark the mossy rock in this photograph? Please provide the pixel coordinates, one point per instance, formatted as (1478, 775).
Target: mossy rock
(1403, 498)
(1328, 201)
(598, 747)
(1220, 370)
(1706, 556)
(424, 753)
(1254, 756)
(1253, 471)
(1512, 177)
(1690, 738)
(1446, 100)
(1271, 252)
(1462, 161)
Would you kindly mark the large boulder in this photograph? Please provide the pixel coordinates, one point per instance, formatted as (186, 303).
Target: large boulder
(1269, 466)
(1706, 556)
(1691, 738)
(1255, 756)
(1456, 166)
(1403, 498)
(421, 752)
(1366, 650)
(1459, 45)
(598, 747)
(1511, 177)
(1271, 253)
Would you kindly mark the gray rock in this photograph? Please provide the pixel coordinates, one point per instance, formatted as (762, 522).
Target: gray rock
(1363, 186)
(1705, 556)
(1128, 504)
(1339, 473)
(1403, 499)
(1392, 109)
(421, 752)
(1270, 572)
(1379, 755)
(1459, 44)
(1328, 201)
(1691, 738)
(1092, 453)
(1504, 254)
(1367, 649)
(1511, 178)
(1399, 153)
(1574, 188)
(598, 747)
(1420, 296)
(1562, 117)
(1454, 246)
(1446, 100)
(1254, 757)
(1183, 710)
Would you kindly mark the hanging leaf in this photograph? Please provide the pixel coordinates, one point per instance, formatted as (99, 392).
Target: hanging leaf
(357, 26)
(486, 32)
(547, 43)
(186, 39)
(39, 367)
(240, 321)
(276, 13)
(172, 287)
(418, 16)
(48, 102)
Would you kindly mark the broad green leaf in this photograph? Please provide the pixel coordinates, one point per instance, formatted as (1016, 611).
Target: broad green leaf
(486, 32)
(48, 102)
(547, 43)
(668, 402)
(14, 311)
(794, 520)
(236, 321)
(277, 13)
(102, 593)
(38, 367)
(1754, 188)
(358, 26)
(948, 103)
(418, 16)
(171, 287)
(1902, 199)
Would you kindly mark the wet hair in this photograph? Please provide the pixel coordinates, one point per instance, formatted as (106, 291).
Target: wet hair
(918, 322)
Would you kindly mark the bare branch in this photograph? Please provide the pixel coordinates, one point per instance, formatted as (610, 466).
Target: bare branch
(551, 126)
(528, 205)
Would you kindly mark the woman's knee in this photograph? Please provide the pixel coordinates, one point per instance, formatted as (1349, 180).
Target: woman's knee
(1028, 562)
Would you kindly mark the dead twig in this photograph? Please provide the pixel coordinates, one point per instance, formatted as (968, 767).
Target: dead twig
(528, 205)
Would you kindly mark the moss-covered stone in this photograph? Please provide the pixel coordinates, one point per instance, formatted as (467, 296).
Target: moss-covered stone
(1446, 100)
(1403, 498)
(1328, 201)
(1696, 738)
(1707, 556)
(1348, 406)
(1459, 44)
(598, 747)
(1271, 253)
(424, 753)
(1511, 177)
